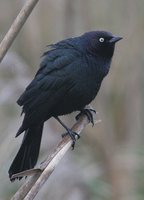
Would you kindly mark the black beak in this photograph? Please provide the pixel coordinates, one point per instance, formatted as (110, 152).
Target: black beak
(115, 39)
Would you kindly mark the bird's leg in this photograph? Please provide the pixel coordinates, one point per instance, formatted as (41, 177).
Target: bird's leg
(88, 112)
(69, 132)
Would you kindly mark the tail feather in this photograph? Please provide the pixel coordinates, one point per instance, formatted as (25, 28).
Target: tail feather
(27, 155)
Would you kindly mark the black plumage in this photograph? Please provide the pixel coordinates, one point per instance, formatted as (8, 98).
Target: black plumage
(68, 79)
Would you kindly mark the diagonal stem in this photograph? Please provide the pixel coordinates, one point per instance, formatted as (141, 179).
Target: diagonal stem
(16, 27)
(39, 176)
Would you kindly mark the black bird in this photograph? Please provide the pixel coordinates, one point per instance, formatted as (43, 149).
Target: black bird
(69, 78)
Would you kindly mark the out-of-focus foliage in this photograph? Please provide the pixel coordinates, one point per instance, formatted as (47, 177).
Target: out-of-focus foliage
(107, 163)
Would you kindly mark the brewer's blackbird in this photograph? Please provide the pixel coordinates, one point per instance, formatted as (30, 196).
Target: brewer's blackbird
(69, 78)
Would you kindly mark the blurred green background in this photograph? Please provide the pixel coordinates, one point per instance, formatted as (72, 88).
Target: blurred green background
(108, 161)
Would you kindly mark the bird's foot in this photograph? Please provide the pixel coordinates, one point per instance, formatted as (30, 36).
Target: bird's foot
(73, 136)
(88, 112)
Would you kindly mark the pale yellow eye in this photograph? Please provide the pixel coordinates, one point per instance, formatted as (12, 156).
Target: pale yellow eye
(101, 39)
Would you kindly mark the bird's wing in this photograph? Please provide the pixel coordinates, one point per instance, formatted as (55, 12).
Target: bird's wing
(51, 81)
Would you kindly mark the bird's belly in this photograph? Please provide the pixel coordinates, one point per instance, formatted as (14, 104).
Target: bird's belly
(76, 99)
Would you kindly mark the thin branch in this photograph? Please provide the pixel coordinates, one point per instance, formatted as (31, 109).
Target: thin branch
(16, 27)
(41, 174)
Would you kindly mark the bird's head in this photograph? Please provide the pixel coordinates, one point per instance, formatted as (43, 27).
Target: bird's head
(100, 42)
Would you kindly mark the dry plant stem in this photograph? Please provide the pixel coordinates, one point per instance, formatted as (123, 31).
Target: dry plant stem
(24, 189)
(50, 164)
(39, 176)
(16, 27)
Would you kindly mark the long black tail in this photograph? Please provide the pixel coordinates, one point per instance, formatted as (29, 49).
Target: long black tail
(27, 155)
